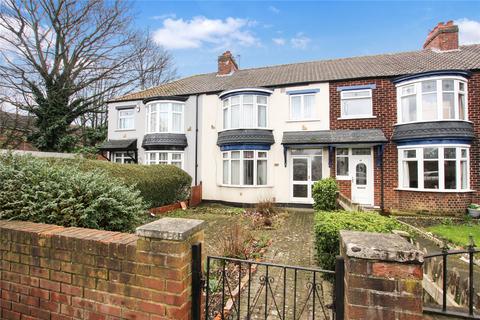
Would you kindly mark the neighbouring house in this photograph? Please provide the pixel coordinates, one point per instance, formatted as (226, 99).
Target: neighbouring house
(398, 131)
(14, 130)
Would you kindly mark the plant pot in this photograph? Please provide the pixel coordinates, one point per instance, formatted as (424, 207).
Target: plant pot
(474, 213)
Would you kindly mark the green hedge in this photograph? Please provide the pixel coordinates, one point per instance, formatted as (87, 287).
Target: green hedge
(328, 225)
(158, 184)
(325, 194)
(36, 190)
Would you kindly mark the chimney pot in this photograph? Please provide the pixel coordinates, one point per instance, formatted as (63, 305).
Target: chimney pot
(226, 64)
(443, 37)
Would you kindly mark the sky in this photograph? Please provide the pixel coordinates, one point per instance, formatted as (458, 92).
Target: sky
(261, 33)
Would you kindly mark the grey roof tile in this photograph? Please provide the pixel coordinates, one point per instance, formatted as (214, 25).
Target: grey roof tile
(383, 65)
(334, 136)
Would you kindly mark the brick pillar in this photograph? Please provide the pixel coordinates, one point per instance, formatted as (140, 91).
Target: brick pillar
(166, 243)
(383, 276)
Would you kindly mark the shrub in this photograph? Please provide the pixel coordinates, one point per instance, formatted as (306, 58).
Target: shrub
(158, 184)
(328, 225)
(325, 194)
(33, 189)
(234, 242)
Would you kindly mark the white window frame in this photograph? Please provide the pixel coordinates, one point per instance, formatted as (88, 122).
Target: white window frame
(348, 156)
(122, 155)
(122, 117)
(241, 159)
(228, 100)
(358, 116)
(169, 157)
(417, 83)
(302, 107)
(170, 112)
(441, 167)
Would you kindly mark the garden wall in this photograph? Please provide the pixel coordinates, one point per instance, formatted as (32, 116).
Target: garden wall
(52, 272)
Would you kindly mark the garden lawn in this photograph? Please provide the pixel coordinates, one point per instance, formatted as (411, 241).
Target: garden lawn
(457, 234)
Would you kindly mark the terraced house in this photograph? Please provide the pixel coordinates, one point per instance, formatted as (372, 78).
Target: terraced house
(398, 131)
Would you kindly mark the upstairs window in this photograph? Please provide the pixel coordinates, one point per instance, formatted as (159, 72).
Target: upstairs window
(245, 111)
(302, 107)
(432, 99)
(126, 119)
(165, 117)
(356, 103)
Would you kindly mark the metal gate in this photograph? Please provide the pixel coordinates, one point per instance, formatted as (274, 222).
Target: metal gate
(244, 289)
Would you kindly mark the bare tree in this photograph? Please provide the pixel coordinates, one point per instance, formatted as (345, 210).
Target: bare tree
(153, 64)
(62, 57)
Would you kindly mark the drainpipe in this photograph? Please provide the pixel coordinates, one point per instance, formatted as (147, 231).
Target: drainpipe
(382, 183)
(196, 138)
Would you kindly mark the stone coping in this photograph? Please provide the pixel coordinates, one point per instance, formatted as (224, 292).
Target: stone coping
(177, 229)
(379, 246)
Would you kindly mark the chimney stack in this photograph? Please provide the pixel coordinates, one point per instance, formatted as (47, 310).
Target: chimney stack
(443, 37)
(226, 64)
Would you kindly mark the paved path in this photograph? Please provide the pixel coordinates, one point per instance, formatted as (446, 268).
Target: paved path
(293, 245)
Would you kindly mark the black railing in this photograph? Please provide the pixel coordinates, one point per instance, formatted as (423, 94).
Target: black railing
(460, 312)
(242, 289)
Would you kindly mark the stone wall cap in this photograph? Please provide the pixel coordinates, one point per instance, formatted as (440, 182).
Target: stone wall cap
(379, 246)
(177, 229)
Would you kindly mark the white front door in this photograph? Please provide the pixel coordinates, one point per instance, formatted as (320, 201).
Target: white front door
(306, 170)
(362, 176)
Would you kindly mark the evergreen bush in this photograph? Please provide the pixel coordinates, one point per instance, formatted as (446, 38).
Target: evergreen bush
(32, 189)
(324, 194)
(158, 184)
(329, 224)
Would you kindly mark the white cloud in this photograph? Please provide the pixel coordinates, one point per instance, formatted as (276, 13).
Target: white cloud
(469, 31)
(274, 9)
(187, 34)
(279, 41)
(162, 16)
(300, 41)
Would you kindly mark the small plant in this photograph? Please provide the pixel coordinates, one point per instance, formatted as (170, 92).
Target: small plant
(234, 243)
(325, 194)
(474, 206)
(266, 208)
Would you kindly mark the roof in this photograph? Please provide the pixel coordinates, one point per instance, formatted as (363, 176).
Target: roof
(119, 145)
(383, 65)
(155, 140)
(434, 130)
(368, 136)
(245, 136)
(16, 121)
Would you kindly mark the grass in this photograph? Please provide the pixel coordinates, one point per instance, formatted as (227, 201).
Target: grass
(457, 233)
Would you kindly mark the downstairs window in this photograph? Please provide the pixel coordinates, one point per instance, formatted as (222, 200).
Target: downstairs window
(244, 168)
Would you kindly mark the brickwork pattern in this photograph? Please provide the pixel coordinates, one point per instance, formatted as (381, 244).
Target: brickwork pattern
(51, 272)
(384, 290)
(385, 117)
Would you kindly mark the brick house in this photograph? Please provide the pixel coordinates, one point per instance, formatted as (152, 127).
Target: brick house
(397, 131)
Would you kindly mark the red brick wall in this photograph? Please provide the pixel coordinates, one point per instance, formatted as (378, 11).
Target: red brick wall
(51, 272)
(385, 111)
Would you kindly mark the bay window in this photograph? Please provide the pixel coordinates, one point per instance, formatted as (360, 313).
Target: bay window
(165, 157)
(165, 117)
(432, 99)
(245, 111)
(122, 157)
(434, 168)
(244, 168)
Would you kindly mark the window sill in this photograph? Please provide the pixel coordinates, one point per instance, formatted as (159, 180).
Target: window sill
(243, 187)
(303, 120)
(434, 190)
(355, 118)
(423, 121)
(343, 178)
(267, 129)
(123, 130)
